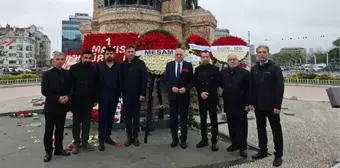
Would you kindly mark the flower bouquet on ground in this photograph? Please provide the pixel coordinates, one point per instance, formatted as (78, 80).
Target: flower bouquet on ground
(156, 48)
(224, 46)
(22, 114)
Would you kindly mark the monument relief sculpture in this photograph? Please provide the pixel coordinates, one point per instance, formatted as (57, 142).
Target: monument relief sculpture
(192, 4)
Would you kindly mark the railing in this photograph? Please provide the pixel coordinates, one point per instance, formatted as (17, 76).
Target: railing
(313, 82)
(289, 81)
(20, 81)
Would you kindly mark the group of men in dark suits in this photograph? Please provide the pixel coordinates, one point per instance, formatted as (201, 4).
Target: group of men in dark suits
(85, 85)
(261, 89)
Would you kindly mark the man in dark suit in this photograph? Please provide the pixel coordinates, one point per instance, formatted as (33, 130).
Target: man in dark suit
(55, 86)
(235, 84)
(207, 80)
(178, 77)
(267, 91)
(83, 77)
(109, 84)
(134, 83)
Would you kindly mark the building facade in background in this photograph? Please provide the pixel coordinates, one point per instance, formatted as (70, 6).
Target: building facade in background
(24, 47)
(221, 33)
(71, 36)
(294, 50)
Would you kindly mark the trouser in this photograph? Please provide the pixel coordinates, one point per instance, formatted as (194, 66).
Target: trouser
(107, 109)
(274, 120)
(81, 119)
(204, 107)
(180, 107)
(132, 117)
(238, 129)
(54, 122)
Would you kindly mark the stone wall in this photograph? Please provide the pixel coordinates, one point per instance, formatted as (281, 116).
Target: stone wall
(181, 23)
(123, 20)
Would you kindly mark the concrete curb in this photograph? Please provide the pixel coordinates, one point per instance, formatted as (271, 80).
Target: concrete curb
(19, 85)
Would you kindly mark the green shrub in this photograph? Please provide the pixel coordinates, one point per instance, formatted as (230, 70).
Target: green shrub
(20, 76)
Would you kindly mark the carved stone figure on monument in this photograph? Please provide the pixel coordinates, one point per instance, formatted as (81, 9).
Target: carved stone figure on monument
(120, 2)
(192, 4)
(100, 3)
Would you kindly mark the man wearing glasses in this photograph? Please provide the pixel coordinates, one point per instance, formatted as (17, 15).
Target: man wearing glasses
(235, 82)
(267, 87)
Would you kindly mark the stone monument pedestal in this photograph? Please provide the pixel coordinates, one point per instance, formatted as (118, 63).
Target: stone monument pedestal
(141, 18)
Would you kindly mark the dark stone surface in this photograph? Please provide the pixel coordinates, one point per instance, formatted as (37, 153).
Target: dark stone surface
(156, 154)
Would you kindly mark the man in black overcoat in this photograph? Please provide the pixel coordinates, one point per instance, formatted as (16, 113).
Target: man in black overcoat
(56, 88)
(235, 82)
(207, 80)
(134, 84)
(83, 79)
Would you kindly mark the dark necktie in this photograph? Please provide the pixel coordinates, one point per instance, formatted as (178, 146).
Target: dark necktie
(178, 73)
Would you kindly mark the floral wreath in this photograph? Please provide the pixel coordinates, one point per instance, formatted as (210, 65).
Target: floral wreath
(224, 46)
(196, 44)
(156, 49)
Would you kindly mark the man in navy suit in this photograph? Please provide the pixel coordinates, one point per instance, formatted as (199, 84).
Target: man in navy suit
(178, 78)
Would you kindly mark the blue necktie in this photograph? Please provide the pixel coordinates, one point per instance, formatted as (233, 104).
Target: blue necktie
(178, 73)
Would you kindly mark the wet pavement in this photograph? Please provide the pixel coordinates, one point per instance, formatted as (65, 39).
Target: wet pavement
(156, 154)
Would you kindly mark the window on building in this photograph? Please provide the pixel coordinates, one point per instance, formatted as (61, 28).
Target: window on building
(11, 62)
(11, 47)
(12, 54)
(20, 62)
(20, 54)
(2, 47)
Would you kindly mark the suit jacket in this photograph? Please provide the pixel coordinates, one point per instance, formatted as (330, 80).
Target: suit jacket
(134, 80)
(236, 88)
(56, 83)
(185, 79)
(207, 79)
(83, 80)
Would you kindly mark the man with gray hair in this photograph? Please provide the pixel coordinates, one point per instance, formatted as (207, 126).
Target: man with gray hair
(55, 86)
(235, 82)
(267, 95)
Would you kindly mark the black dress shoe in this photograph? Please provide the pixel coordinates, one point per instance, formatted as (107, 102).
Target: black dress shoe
(76, 149)
(202, 144)
(214, 147)
(243, 153)
(62, 153)
(260, 155)
(87, 146)
(128, 142)
(184, 145)
(48, 157)
(101, 147)
(136, 142)
(110, 141)
(277, 162)
(231, 148)
(174, 144)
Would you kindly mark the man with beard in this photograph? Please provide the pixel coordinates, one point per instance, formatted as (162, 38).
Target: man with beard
(178, 77)
(83, 78)
(235, 84)
(134, 83)
(109, 84)
(55, 86)
(267, 91)
(207, 79)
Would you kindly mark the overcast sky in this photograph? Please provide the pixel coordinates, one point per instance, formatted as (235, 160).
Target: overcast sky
(266, 19)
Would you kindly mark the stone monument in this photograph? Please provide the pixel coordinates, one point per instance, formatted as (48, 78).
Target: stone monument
(180, 17)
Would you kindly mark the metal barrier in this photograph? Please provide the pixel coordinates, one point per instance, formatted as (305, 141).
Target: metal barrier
(291, 81)
(313, 82)
(20, 81)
